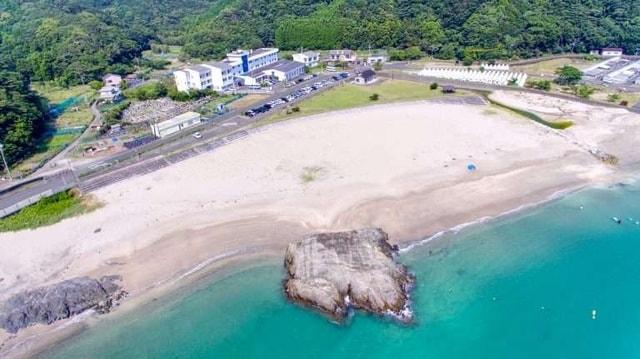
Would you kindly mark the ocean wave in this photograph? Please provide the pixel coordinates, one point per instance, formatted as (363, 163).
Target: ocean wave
(456, 229)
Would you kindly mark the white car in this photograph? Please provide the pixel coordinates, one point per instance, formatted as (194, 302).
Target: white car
(197, 135)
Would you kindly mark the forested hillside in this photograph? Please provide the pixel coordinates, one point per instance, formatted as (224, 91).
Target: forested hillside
(76, 41)
(446, 28)
(22, 115)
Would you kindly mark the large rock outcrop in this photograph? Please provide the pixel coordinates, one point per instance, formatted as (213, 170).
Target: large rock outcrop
(60, 301)
(333, 272)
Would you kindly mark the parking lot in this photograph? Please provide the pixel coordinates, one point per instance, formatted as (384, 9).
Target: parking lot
(297, 94)
(618, 72)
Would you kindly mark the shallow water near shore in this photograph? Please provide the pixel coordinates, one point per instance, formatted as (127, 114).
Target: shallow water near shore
(524, 286)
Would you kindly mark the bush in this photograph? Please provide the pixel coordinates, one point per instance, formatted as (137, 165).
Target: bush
(584, 91)
(95, 84)
(411, 53)
(614, 97)
(434, 86)
(191, 95)
(544, 85)
(467, 61)
(114, 114)
(374, 97)
(295, 109)
(624, 103)
(148, 91)
(568, 75)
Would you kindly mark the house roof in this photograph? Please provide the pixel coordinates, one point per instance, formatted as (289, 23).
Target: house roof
(341, 52)
(284, 66)
(368, 74)
(199, 68)
(112, 75)
(190, 115)
(611, 49)
(219, 64)
(258, 52)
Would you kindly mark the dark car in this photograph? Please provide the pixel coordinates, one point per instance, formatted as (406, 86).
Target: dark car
(344, 75)
(335, 78)
(250, 113)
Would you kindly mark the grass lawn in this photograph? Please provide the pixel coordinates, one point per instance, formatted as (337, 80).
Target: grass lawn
(602, 94)
(48, 211)
(55, 94)
(72, 118)
(549, 67)
(350, 95)
(46, 150)
(78, 115)
(211, 106)
(247, 101)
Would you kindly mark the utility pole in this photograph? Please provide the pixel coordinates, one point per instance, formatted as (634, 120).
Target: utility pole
(4, 160)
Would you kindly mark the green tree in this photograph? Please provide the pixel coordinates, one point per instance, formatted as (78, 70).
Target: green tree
(95, 84)
(568, 75)
(584, 91)
(22, 116)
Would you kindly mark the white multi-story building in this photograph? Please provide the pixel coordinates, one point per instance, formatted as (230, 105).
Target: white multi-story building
(196, 77)
(308, 58)
(253, 59)
(222, 75)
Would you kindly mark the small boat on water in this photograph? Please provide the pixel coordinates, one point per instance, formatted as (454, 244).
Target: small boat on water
(616, 219)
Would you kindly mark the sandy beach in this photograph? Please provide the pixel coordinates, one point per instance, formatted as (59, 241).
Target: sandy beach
(402, 167)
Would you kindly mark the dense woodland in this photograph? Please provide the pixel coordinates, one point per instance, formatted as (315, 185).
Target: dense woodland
(76, 41)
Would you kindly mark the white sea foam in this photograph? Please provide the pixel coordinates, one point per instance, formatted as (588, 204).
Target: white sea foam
(456, 229)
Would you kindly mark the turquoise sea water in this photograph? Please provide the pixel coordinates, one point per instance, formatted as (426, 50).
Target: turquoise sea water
(518, 287)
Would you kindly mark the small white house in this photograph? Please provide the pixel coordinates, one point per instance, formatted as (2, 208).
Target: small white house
(110, 93)
(612, 51)
(112, 80)
(377, 59)
(365, 77)
(175, 124)
(344, 55)
(308, 58)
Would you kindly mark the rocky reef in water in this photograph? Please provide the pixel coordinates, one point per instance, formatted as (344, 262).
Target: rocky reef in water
(60, 301)
(336, 272)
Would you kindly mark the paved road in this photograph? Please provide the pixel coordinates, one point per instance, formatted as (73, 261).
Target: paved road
(215, 132)
(53, 165)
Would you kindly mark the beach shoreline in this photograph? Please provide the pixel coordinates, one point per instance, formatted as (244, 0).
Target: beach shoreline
(48, 338)
(384, 166)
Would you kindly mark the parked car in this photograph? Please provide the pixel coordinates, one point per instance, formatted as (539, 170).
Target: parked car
(197, 135)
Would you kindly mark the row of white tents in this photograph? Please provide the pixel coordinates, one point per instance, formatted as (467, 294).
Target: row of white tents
(497, 67)
(502, 78)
